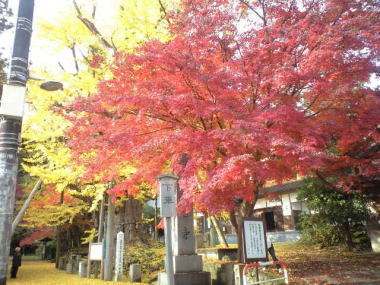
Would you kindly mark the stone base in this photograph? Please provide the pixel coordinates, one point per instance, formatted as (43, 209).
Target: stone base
(187, 263)
(189, 278)
(221, 273)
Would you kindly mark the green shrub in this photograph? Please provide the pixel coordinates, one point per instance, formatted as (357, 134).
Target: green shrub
(150, 255)
(338, 217)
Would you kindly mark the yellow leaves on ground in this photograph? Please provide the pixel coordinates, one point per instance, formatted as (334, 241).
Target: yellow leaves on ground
(43, 273)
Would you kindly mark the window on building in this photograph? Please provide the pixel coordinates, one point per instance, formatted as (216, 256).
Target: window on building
(269, 220)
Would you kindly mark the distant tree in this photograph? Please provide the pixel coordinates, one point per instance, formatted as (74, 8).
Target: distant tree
(336, 217)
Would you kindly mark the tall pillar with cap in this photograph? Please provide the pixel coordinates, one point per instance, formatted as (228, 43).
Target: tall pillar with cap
(186, 264)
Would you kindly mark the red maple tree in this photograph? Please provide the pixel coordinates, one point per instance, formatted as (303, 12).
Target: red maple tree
(246, 92)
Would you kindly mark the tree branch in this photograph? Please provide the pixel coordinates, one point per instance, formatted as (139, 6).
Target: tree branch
(72, 48)
(21, 213)
(92, 28)
(252, 9)
(164, 10)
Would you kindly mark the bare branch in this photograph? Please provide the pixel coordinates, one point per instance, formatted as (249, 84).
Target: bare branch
(253, 10)
(92, 28)
(61, 66)
(164, 10)
(72, 48)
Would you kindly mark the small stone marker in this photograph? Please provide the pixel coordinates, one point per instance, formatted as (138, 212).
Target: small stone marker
(61, 263)
(82, 269)
(69, 266)
(119, 256)
(76, 260)
(134, 273)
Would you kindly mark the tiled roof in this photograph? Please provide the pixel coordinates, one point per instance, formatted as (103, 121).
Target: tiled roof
(285, 187)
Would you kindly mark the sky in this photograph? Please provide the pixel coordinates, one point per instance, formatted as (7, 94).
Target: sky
(41, 54)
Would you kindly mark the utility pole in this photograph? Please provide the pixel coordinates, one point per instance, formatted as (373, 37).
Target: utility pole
(11, 112)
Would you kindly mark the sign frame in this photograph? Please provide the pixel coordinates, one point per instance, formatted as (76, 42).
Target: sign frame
(97, 244)
(119, 256)
(247, 259)
(90, 260)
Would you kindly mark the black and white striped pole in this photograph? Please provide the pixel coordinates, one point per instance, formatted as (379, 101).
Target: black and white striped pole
(11, 114)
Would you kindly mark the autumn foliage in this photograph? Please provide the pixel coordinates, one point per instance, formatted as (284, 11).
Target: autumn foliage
(245, 92)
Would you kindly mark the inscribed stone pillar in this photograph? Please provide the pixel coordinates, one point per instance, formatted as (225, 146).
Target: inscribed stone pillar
(183, 235)
(187, 264)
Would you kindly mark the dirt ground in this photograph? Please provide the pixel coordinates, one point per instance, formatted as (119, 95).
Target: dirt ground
(307, 265)
(312, 265)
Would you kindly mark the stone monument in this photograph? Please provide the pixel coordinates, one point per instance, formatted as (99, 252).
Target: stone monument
(119, 259)
(187, 265)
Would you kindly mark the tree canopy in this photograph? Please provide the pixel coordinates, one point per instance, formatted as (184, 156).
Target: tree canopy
(246, 92)
(90, 42)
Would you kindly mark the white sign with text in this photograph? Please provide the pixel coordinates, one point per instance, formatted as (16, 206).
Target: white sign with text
(254, 240)
(119, 256)
(96, 251)
(168, 196)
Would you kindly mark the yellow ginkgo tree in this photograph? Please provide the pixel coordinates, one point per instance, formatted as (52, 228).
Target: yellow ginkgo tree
(84, 39)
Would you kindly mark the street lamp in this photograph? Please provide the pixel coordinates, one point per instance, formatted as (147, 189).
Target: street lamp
(51, 86)
(48, 85)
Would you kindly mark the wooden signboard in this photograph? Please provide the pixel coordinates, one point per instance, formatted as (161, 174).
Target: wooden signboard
(254, 241)
(95, 253)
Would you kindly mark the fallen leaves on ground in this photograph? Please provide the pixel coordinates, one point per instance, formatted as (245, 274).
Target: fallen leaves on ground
(313, 265)
(44, 273)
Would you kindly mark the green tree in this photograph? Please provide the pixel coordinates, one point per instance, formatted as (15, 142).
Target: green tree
(335, 217)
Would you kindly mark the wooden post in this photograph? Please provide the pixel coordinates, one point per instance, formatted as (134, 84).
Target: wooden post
(222, 238)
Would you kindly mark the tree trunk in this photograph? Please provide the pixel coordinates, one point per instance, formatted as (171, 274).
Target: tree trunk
(349, 242)
(58, 235)
(238, 225)
(222, 238)
(21, 213)
(101, 221)
(133, 218)
(58, 250)
(243, 210)
(110, 241)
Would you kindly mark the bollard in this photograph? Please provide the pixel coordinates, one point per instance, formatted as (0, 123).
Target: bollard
(82, 273)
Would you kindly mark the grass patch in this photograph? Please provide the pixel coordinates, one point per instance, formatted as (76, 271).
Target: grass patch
(31, 257)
